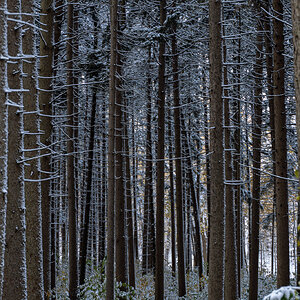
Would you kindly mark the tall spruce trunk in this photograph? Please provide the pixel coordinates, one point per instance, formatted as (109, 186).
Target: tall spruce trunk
(15, 284)
(217, 214)
(45, 97)
(296, 39)
(73, 256)
(160, 182)
(178, 164)
(148, 258)
(34, 258)
(256, 136)
(110, 270)
(3, 135)
(120, 205)
(283, 270)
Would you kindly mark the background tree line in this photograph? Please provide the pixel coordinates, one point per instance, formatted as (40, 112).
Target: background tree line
(148, 140)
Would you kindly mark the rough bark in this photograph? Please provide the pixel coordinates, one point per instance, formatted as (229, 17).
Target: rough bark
(148, 258)
(3, 135)
(129, 214)
(216, 247)
(178, 164)
(296, 39)
(280, 148)
(34, 257)
(73, 256)
(15, 285)
(45, 96)
(120, 232)
(256, 136)
(160, 183)
(110, 271)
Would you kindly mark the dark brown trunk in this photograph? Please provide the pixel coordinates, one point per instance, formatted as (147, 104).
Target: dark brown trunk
(256, 136)
(178, 164)
(110, 270)
(216, 247)
(73, 260)
(160, 182)
(283, 271)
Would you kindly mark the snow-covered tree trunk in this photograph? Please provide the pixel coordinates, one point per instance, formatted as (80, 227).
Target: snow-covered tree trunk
(45, 96)
(296, 39)
(257, 123)
(160, 181)
(73, 249)
(34, 258)
(15, 283)
(3, 135)
(110, 269)
(178, 164)
(217, 215)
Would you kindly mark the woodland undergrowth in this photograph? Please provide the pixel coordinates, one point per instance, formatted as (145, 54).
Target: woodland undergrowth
(94, 287)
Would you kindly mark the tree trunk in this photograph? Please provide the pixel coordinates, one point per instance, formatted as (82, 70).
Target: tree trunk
(3, 135)
(15, 285)
(208, 185)
(178, 164)
(129, 214)
(296, 39)
(148, 259)
(283, 271)
(34, 257)
(73, 260)
(111, 148)
(216, 262)
(45, 97)
(88, 196)
(160, 182)
(120, 233)
(256, 136)
(172, 199)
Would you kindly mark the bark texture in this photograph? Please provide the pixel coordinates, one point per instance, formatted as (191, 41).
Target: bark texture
(280, 148)
(160, 182)
(15, 285)
(45, 97)
(296, 39)
(217, 215)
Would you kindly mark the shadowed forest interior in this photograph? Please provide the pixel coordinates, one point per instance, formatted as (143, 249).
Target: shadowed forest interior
(148, 149)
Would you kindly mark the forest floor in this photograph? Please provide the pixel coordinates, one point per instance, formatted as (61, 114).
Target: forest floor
(94, 288)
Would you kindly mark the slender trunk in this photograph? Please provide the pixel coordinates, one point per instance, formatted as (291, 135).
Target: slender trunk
(121, 251)
(15, 285)
(34, 258)
(207, 167)
(269, 66)
(172, 200)
(296, 39)
(178, 164)
(148, 259)
(216, 267)
(110, 270)
(45, 97)
(283, 275)
(256, 136)
(160, 182)
(88, 196)
(73, 268)
(3, 135)
(129, 214)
